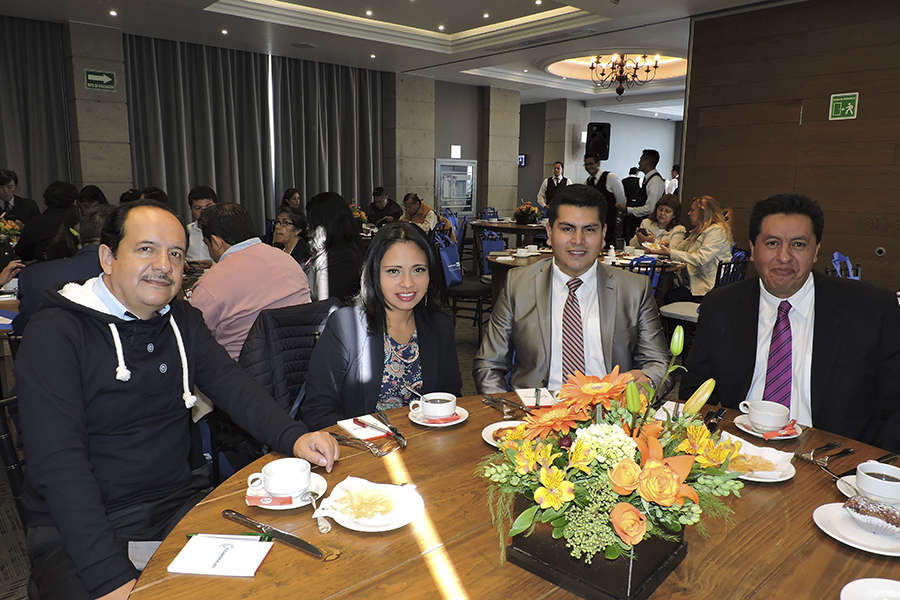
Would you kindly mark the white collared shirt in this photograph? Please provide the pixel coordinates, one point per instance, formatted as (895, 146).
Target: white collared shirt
(114, 305)
(802, 317)
(197, 249)
(542, 193)
(656, 187)
(590, 323)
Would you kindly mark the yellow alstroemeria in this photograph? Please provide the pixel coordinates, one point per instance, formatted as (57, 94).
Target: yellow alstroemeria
(695, 441)
(513, 438)
(714, 455)
(554, 490)
(525, 459)
(580, 456)
(544, 456)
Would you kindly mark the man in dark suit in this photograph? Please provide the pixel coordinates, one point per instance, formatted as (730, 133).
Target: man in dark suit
(16, 208)
(632, 185)
(828, 348)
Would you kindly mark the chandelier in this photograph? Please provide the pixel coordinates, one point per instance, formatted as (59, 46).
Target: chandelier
(623, 71)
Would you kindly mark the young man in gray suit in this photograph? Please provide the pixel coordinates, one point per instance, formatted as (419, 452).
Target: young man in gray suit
(571, 313)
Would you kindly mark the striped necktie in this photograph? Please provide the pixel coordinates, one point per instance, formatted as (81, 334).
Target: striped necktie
(778, 371)
(572, 333)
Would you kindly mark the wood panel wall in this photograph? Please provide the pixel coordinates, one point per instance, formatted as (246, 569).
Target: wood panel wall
(757, 121)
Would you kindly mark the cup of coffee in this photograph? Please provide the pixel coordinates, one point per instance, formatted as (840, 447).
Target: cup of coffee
(436, 405)
(878, 481)
(766, 416)
(281, 477)
(531, 247)
(521, 252)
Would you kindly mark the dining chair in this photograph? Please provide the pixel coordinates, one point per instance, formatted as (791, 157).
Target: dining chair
(647, 265)
(471, 297)
(489, 212)
(843, 267)
(731, 271)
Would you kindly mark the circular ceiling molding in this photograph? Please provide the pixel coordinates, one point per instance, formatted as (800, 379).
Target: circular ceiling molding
(670, 67)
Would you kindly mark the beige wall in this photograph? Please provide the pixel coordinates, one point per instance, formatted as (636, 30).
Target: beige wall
(563, 124)
(409, 136)
(498, 176)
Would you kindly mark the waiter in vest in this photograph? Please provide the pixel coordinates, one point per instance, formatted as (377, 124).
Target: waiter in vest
(549, 186)
(610, 186)
(653, 188)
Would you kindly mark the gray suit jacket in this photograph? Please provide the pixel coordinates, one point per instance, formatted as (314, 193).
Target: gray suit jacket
(630, 332)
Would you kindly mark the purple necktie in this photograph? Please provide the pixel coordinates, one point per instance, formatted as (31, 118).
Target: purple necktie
(778, 371)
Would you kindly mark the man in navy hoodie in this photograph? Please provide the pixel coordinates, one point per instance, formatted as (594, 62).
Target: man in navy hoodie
(105, 377)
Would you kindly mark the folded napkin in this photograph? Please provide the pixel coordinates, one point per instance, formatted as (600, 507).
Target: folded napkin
(788, 429)
(404, 498)
(505, 258)
(780, 459)
(526, 395)
(362, 432)
(440, 420)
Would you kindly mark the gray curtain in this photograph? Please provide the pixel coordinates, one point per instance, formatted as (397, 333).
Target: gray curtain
(199, 115)
(327, 128)
(34, 124)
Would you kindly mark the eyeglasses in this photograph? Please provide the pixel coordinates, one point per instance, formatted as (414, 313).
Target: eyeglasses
(284, 223)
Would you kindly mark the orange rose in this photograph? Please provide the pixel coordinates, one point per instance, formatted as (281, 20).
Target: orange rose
(629, 523)
(624, 476)
(658, 483)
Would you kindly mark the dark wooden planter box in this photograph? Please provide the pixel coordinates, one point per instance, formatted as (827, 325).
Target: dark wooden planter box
(604, 579)
(524, 219)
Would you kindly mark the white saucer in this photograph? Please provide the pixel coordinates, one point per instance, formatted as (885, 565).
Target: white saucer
(834, 520)
(408, 506)
(845, 489)
(871, 588)
(785, 472)
(463, 415)
(742, 422)
(487, 434)
(317, 485)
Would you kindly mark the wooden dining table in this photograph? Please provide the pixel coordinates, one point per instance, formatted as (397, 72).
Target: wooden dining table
(770, 548)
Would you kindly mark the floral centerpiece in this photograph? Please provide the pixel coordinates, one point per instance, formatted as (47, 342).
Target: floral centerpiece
(603, 474)
(9, 229)
(527, 213)
(358, 213)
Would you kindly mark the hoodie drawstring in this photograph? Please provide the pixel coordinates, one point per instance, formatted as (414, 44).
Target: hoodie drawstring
(122, 372)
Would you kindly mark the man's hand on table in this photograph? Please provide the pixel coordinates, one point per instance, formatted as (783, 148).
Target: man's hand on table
(319, 448)
(639, 377)
(120, 592)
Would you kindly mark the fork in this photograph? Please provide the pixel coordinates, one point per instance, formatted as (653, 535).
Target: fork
(837, 477)
(360, 444)
(810, 456)
(823, 462)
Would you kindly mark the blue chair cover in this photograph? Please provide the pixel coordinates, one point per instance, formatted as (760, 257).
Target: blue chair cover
(489, 213)
(646, 260)
(838, 259)
(452, 217)
(491, 242)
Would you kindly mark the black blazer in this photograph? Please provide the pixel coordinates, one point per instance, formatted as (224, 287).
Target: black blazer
(347, 365)
(24, 209)
(855, 379)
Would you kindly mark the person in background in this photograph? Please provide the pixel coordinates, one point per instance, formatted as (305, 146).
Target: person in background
(550, 185)
(39, 234)
(419, 213)
(199, 198)
(38, 278)
(248, 276)
(292, 199)
(396, 335)
(708, 244)
(632, 185)
(383, 210)
(91, 195)
(333, 269)
(662, 226)
(672, 184)
(610, 187)
(828, 348)
(290, 234)
(152, 192)
(129, 195)
(15, 208)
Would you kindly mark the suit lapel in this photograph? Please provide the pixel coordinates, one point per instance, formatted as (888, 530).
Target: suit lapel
(745, 333)
(543, 291)
(607, 296)
(829, 318)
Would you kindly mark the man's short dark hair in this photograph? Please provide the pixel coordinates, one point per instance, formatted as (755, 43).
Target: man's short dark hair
(152, 192)
(7, 175)
(578, 195)
(651, 155)
(378, 192)
(114, 226)
(130, 195)
(90, 195)
(229, 221)
(788, 204)
(90, 223)
(60, 194)
(202, 192)
(560, 163)
(677, 168)
(633, 171)
(592, 155)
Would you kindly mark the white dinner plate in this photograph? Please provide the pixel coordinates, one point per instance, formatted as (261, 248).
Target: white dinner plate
(487, 434)
(834, 520)
(871, 588)
(743, 423)
(317, 485)
(845, 489)
(408, 506)
(650, 245)
(784, 472)
(463, 415)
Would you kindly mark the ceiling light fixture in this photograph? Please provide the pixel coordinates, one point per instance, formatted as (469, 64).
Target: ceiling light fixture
(368, 13)
(622, 71)
(538, 2)
(524, 70)
(440, 27)
(224, 32)
(486, 15)
(113, 13)
(372, 56)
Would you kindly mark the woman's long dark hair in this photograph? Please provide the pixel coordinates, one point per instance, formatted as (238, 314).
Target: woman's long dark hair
(371, 297)
(330, 211)
(672, 202)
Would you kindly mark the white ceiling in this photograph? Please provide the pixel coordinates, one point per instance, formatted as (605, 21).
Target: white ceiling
(403, 36)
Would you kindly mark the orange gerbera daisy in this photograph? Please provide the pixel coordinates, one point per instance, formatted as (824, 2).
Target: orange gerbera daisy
(585, 391)
(559, 418)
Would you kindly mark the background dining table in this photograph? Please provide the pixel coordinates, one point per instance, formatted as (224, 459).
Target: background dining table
(769, 548)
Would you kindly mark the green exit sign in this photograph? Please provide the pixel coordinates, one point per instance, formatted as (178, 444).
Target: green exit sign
(843, 106)
(100, 80)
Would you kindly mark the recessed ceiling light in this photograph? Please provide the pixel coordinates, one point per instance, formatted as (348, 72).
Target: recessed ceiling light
(524, 70)
(538, 2)
(486, 15)
(368, 13)
(372, 56)
(655, 114)
(113, 13)
(440, 27)
(224, 32)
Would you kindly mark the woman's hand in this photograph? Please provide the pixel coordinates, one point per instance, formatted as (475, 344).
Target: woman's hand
(649, 238)
(10, 271)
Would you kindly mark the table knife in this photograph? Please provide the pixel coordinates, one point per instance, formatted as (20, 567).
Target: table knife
(887, 459)
(281, 536)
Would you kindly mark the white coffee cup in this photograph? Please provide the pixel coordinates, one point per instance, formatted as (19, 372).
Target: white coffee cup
(436, 405)
(766, 416)
(281, 477)
(521, 252)
(878, 481)
(531, 247)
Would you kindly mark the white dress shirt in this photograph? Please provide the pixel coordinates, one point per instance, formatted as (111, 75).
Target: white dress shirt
(671, 185)
(590, 324)
(656, 187)
(197, 250)
(802, 316)
(613, 185)
(542, 193)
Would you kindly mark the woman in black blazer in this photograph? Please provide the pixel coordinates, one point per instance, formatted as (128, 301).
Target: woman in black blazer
(395, 335)
(333, 270)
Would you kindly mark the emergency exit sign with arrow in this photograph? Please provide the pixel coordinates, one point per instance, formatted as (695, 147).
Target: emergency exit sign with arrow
(100, 80)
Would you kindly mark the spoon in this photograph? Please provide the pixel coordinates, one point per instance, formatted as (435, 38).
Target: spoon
(323, 523)
(413, 391)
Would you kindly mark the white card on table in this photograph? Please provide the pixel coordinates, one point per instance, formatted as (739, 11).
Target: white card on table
(231, 556)
(362, 432)
(526, 395)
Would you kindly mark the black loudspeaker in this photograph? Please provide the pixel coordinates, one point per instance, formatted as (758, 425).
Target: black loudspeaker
(598, 140)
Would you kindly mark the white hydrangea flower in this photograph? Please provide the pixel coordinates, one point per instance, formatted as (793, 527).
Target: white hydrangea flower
(609, 443)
